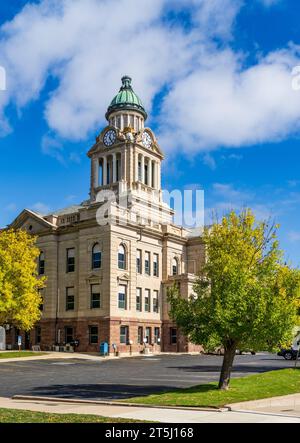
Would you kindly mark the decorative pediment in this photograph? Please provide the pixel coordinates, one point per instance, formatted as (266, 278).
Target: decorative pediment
(154, 147)
(32, 222)
(94, 278)
(124, 277)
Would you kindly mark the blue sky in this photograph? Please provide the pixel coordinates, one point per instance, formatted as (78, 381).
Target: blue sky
(215, 77)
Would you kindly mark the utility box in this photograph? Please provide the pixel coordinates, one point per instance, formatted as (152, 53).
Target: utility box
(104, 349)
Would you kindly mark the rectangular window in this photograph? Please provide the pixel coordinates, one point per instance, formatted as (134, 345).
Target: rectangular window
(122, 302)
(124, 335)
(173, 336)
(140, 335)
(38, 335)
(100, 174)
(139, 299)
(41, 294)
(147, 263)
(140, 171)
(122, 257)
(148, 335)
(155, 302)
(93, 335)
(41, 264)
(70, 299)
(139, 261)
(156, 335)
(69, 334)
(153, 175)
(147, 300)
(96, 258)
(155, 265)
(95, 297)
(71, 260)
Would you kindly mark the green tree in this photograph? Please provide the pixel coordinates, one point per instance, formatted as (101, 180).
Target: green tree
(245, 297)
(19, 282)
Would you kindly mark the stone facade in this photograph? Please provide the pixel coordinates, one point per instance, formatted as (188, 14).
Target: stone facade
(93, 304)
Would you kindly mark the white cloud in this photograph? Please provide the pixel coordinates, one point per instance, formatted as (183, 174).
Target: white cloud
(41, 208)
(209, 161)
(224, 104)
(87, 45)
(53, 147)
(294, 236)
(228, 192)
(11, 207)
(224, 197)
(293, 183)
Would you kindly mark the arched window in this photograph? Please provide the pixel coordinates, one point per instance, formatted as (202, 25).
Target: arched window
(121, 257)
(174, 266)
(42, 263)
(96, 256)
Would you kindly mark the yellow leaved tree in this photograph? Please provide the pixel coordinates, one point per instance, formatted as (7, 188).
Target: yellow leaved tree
(20, 299)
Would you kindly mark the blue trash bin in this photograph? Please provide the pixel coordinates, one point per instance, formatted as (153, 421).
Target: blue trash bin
(104, 348)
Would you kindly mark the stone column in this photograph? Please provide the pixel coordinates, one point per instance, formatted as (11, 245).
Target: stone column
(136, 166)
(124, 165)
(114, 168)
(95, 172)
(158, 176)
(104, 171)
(143, 169)
(150, 173)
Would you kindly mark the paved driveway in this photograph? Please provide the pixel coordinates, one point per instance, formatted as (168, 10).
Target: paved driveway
(122, 378)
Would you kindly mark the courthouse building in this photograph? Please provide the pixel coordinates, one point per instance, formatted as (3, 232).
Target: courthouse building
(108, 282)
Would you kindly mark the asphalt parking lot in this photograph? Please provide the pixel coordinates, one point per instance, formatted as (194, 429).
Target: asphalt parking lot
(123, 378)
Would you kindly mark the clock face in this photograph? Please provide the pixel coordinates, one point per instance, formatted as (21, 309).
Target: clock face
(109, 137)
(147, 140)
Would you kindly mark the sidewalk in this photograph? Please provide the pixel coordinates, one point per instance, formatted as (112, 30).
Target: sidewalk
(148, 414)
(286, 405)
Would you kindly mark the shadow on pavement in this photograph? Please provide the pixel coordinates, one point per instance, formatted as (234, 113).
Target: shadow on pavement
(100, 392)
(237, 368)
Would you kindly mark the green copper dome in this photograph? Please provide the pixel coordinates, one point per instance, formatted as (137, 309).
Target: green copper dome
(126, 100)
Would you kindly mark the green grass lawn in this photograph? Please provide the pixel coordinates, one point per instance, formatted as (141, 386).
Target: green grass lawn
(16, 354)
(18, 416)
(254, 387)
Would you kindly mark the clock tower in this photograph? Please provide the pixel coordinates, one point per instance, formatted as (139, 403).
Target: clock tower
(126, 157)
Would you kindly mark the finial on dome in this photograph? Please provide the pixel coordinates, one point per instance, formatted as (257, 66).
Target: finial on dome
(126, 81)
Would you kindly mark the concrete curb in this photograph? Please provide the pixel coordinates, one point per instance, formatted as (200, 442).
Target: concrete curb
(115, 403)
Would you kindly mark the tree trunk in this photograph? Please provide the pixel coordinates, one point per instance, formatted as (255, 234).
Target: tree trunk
(229, 354)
